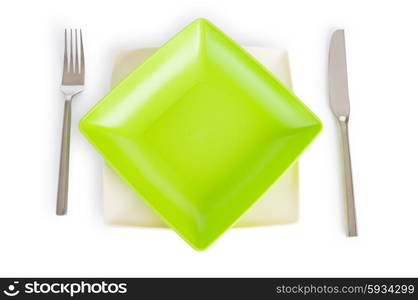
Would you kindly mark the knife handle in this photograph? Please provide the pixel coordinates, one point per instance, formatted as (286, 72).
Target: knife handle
(350, 205)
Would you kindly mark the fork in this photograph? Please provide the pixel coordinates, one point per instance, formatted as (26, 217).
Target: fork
(72, 84)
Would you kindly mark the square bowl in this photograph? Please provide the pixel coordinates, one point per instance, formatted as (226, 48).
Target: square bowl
(200, 131)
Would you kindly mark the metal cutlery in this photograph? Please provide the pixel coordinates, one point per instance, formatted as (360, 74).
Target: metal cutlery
(340, 105)
(72, 84)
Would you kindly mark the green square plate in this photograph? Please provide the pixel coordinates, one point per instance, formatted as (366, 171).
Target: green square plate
(200, 130)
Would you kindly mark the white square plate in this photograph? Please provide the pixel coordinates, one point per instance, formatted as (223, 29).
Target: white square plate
(279, 205)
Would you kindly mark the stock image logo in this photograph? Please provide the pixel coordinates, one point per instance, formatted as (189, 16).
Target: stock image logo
(71, 288)
(12, 289)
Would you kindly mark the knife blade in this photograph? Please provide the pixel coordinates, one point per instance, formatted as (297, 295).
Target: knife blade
(340, 105)
(337, 76)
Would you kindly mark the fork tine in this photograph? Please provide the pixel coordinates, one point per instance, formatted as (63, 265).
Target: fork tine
(65, 52)
(81, 54)
(77, 64)
(71, 52)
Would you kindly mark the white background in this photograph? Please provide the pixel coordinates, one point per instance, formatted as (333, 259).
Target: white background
(382, 45)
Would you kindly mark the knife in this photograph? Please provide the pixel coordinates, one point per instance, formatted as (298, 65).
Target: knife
(340, 106)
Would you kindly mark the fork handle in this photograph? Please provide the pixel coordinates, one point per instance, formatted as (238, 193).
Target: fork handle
(62, 197)
(350, 205)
